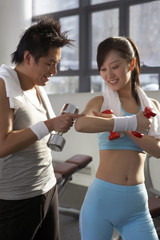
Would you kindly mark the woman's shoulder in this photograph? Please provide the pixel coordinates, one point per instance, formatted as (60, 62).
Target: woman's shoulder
(94, 104)
(96, 101)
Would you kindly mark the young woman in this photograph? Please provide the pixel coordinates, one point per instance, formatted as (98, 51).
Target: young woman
(117, 198)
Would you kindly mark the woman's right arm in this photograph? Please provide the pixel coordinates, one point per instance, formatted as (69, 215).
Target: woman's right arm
(90, 123)
(94, 123)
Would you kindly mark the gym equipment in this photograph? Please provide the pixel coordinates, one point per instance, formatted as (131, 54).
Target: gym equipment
(148, 113)
(113, 135)
(64, 172)
(56, 142)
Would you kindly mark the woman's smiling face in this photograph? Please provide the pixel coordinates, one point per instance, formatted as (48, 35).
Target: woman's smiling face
(115, 71)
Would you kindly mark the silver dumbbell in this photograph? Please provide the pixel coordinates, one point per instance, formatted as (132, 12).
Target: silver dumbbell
(56, 142)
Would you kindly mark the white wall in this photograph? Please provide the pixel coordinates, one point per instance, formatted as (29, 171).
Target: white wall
(81, 143)
(15, 17)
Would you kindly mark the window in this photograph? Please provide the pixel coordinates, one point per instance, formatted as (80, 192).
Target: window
(101, 1)
(149, 81)
(145, 35)
(40, 7)
(109, 22)
(97, 84)
(70, 55)
(88, 22)
(62, 85)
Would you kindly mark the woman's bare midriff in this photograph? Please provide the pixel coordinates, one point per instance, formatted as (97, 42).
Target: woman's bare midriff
(122, 167)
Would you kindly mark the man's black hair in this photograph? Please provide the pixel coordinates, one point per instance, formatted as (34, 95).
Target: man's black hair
(38, 39)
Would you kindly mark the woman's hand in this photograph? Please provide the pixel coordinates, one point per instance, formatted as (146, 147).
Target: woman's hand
(143, 123)
(103, 115)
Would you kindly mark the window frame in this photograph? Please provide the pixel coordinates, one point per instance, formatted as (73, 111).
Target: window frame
(84, 11)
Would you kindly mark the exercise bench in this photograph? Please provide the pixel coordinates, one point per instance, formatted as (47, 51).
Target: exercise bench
(64, 171)
(154, 208)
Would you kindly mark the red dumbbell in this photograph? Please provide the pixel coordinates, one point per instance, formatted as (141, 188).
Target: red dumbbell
(113, 135)
(148, 113)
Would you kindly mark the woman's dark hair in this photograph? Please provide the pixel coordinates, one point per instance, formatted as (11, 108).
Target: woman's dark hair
(128, 51)
(38, 39)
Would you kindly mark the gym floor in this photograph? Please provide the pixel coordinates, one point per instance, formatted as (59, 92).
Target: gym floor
(72, 197)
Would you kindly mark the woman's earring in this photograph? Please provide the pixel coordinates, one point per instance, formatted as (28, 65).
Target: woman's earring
(132, 64)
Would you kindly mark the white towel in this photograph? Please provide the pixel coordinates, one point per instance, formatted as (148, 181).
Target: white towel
(15, 93)
(46, 102)
(112, 101)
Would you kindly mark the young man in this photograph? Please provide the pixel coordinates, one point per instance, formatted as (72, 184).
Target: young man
(28, 195)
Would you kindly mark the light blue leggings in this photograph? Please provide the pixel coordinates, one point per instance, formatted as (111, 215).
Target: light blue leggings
(107, 206)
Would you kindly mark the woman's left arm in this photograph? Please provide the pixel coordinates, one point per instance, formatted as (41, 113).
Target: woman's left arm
(147, 143)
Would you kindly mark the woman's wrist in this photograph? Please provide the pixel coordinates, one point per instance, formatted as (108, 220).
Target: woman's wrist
(128, 123)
